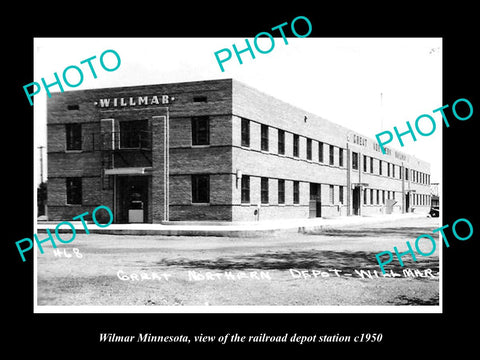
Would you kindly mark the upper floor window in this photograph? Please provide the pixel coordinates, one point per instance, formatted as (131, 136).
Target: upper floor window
(281, 142)
(134, 134)
(320, 152)
(74, 136)
(264, 137)
(201, 130)
(354, 160)
(309, 149)
(245, 132)
(199, 99)
(296, 145)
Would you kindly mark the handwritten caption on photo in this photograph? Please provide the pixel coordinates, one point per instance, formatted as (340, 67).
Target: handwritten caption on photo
(196, 276)
(50, 238)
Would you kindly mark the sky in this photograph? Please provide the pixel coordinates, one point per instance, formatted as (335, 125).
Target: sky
(359, 83)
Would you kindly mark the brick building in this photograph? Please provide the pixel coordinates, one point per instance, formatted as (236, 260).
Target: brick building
(216, 150)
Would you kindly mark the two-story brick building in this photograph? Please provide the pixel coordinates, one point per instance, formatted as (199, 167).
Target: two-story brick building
(216, 150)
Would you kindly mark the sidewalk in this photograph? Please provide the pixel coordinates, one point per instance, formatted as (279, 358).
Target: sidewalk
(244, 229)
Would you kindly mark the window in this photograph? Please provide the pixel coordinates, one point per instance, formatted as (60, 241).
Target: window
(320, 152)
(364, 163)
(332, 194)
(371, 165)
(406, 174)
(296, 145)
(245, 132)
(199, 99)
(264, 137)
(200, 130)
(133, 134)
(74, 190)
(309, 149)
(74, 136)
(380, 164)
(378, 197)
(296, 192)
(281, 191)
(314, 191)
(354, 161)
(201, 189)
(332, 155)
(340, 194)
(393, 170)
(383, 196)
(365, 196)
(245, 189)
(264, 190)
(340, 157)
(281, 142)
(388, 169)
(371, 196)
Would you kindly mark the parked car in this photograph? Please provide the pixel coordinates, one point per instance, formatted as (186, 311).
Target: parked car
(434, 211)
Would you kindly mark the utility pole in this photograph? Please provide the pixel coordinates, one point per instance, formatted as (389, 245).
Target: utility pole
(41, 163)
(381, 111)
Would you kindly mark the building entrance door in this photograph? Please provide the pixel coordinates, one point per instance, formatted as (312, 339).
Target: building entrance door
(356, 200)
(132, 192)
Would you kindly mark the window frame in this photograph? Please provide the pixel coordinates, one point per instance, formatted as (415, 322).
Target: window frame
(264, 193)
(264, 137)
(196, 130)
(355, 157)
(281, 142)
(128, 142)
(320, 152)
(245, 189)
(309, 149)
(296, 145)
(73, 137)
(281, 191)
(296, 192)
(197, 197)
(245, 132)
(71, 197)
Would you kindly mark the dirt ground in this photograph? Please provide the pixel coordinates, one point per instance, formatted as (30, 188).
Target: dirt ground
(334, 267)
